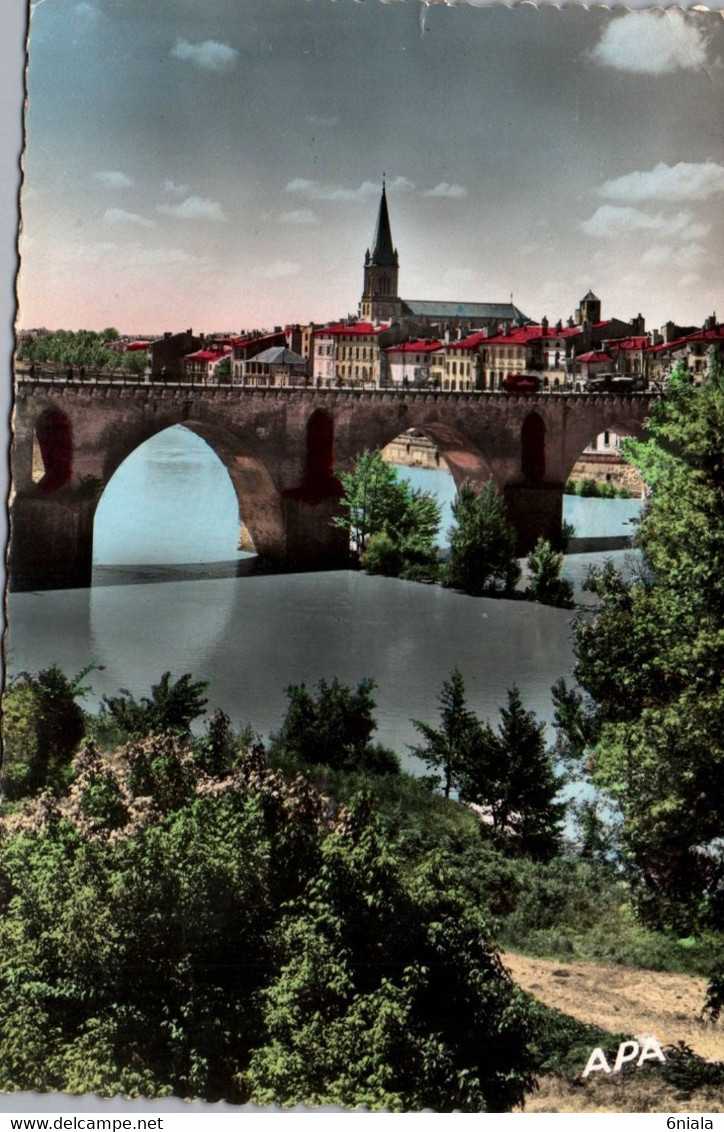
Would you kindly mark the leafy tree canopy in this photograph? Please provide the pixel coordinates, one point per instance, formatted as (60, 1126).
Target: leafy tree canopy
(333, 728)
(482, 545)
(392, 526)
(172, 706)
(651, 660)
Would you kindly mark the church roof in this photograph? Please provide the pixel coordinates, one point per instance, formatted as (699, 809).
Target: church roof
(383, 251)
(471, 311)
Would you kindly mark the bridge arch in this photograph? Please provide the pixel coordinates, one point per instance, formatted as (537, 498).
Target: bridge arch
(613, 417)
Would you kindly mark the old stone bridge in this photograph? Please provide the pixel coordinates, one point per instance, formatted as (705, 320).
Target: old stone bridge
(281, 447)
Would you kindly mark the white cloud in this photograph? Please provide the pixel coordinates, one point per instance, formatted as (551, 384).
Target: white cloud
(652, 43)
(612, 221)
(193, 208)
(207, 56)
(299, 216)
(661, 254)
(455, 192)
(316, 190)
(120, 216)
(281, 269)
(685, 181)
(113, 179)
(170, 186)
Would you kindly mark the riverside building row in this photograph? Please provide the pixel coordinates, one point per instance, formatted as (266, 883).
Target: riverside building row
(455, 346)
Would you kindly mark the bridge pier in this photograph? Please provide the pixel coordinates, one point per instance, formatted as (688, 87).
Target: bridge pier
(51, 543)
(535, 511)
(312, 542)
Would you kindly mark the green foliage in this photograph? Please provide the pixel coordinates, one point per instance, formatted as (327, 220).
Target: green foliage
(392, 526)
(42, 726)
(85, 348)
(482, 546)
(511, 775)
(220, 749)
(170, 707)
(651, 659)
(411, 1007)
(244, 939)
(594, 489)
(333, 728)
(452, 747)
(545, 582)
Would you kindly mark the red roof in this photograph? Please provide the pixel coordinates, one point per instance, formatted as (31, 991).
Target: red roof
(470, 342)
(137, 346)
(594, 356)
(209, 355)
(360, 329)
(420, 346)
(271, 339)
(639, 343)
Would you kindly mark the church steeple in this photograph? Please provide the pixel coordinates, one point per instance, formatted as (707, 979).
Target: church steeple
(379, 296)
(384, 254)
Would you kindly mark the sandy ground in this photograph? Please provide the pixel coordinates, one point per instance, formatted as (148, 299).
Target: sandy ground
(626, 1000)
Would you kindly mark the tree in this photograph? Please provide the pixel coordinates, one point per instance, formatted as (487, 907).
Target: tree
(545, 582)
(170, 707)
(333, 728)
(403, 521)
(451, 747)
(41, 729)
(388, 994)
(482, 545)
(650, 662)
(242, 939)
(512, 776)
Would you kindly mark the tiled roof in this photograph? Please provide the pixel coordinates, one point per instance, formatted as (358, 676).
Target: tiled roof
(594, 356)
(420, 346)
(638, 343)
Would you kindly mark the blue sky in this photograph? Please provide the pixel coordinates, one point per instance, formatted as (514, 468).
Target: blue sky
(218, 164)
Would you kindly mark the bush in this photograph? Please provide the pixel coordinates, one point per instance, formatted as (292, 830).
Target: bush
(41, 729)
(545, 582)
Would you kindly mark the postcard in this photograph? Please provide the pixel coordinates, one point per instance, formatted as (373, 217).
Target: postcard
(361, 736)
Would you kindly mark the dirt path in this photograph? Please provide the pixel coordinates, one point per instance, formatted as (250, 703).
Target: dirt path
(626, 1000)
(623, 999)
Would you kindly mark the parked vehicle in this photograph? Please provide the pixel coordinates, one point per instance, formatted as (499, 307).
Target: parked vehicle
(521, 383)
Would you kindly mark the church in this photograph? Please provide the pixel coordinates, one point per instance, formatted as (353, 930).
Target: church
(381, 301)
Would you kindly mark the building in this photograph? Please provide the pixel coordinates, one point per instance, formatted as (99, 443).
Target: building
(206, 366)
(381, 300)
(165, 356)
(277, 366)
(246, 347)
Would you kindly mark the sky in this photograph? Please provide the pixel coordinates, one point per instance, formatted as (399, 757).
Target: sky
(218, 164)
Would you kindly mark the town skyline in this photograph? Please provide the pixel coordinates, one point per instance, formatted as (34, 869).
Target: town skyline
(220, 169)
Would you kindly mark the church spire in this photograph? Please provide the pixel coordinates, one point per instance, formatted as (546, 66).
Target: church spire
(380, 300)
(384, 254)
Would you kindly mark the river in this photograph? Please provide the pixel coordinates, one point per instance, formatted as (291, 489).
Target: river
(166, 596)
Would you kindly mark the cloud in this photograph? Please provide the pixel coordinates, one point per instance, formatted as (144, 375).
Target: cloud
(120, 216)
(112, 179)
(652, 43)
(193, 208)
(299, 216)
(316, 190)
(207, 56)
(685, 181)
(661, 254)
(281, 269)
(612, 221)
(455, 192)
(170, 186)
